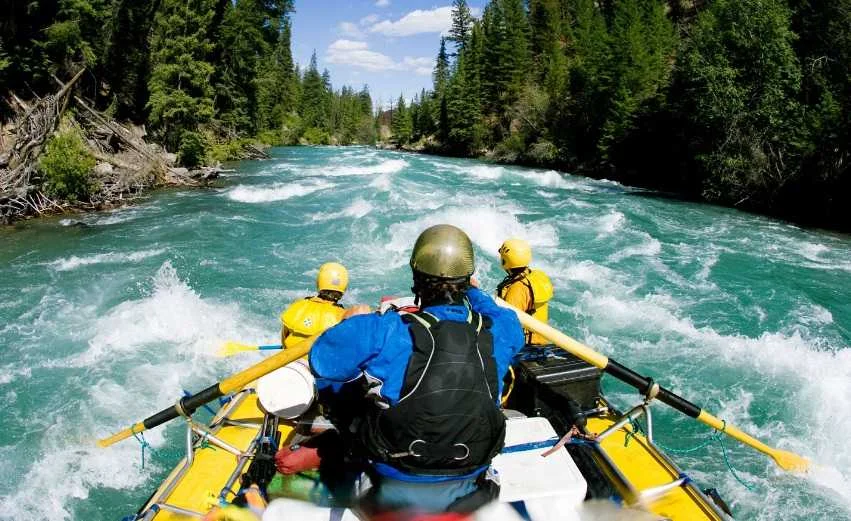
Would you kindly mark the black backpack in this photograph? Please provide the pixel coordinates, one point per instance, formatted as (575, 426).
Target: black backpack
(447, 421)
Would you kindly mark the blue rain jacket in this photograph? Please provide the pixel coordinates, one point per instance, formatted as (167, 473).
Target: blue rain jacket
(379, 346)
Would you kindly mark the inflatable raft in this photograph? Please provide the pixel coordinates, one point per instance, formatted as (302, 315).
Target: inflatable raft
(568, 455)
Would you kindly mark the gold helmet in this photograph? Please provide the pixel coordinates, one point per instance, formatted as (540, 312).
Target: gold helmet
(515, 253)
(443, 251)
(332, 277)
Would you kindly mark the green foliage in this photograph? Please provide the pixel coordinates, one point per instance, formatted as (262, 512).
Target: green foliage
(181, 97)
(741, 75)
(401, 123)
(192, 149)
(462, 24)
(316, 136)
(65, 166)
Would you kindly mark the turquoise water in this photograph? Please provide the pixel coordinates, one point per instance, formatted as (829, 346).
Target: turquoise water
(105, 318)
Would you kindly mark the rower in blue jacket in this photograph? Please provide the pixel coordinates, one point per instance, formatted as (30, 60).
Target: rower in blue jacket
(433, 380)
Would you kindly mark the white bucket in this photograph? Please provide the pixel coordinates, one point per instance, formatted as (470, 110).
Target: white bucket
(287, 392)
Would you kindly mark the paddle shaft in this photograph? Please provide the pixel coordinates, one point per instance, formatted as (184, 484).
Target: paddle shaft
(188, 404)
(642, 383)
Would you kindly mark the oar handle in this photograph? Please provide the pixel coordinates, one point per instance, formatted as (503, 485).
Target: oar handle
(188, 404)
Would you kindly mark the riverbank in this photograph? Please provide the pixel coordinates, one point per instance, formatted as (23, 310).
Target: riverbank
(61, 156)
(667, 183)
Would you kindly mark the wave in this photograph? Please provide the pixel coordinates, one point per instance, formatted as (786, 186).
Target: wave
(487, 227)
(276, 192)
(388, 166)
(74, 262)
(357, 209)
(173, 315)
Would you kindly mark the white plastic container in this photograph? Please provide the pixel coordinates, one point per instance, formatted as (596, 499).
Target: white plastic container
(287, 392)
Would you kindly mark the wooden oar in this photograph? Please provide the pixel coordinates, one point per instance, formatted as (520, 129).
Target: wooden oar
(231, 348)
(785, 459)
(187, 405)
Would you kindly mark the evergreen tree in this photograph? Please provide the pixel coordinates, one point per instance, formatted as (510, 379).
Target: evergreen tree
(441, 70)
(740, 96)
(127, 62)
(401, 125)
(314, 97)
(181, 97)
(642, 44)
(276, 84)
(462, 24)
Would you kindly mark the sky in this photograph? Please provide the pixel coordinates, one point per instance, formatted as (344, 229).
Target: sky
(389, 45)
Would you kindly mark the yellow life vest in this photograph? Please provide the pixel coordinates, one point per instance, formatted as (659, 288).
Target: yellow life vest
(540, 293)
(309, 317)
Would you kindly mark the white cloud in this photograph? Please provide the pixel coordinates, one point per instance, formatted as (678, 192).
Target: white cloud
(350, 30)
(357, 54)
(369, 19)
(382, 3)
(420, 66)
(437, 20)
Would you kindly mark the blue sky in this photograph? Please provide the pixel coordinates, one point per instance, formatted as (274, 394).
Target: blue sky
(388, 44)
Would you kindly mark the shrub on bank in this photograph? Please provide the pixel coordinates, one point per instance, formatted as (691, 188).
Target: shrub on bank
(192, 149)
(65, 167)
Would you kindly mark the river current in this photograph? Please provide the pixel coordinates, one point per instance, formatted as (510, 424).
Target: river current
(106, 318)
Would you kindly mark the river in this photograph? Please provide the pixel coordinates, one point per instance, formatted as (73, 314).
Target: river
(106, 317)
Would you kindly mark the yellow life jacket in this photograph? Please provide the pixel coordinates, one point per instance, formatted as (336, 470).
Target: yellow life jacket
(309, 317)
(540, 293)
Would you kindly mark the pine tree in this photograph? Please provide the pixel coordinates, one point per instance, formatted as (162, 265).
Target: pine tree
(275, 84)
(401, 125)
(181, 97)
(642, 45)
(441, 70)
(127, 64)
(314, 97)
(462, 24)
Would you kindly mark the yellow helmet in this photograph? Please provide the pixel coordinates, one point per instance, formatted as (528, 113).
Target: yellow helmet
(443, 251)
(515, 253)
(332, 277)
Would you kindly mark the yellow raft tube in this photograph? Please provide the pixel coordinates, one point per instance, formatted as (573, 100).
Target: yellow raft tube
(641, 475)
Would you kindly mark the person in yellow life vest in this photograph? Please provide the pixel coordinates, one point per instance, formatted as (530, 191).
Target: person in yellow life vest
(523, 287)
(313, 315)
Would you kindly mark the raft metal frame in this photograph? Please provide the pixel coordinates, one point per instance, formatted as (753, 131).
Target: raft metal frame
(205, 434)
(653, 493)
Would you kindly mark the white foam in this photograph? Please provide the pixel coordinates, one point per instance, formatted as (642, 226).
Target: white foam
(388, 166)
(172, 315)
(610, 223)
(382, 183)
(277, 191)
(357, 209)
(487, 227)
(484, 172)
(74, 262)
(649, 247)
(10, 373)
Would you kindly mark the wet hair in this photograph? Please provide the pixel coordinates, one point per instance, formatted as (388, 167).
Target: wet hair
(431, 290)
(330, 295)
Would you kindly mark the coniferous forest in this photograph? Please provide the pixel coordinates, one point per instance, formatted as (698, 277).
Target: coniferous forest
(199, 73)
(744, 103)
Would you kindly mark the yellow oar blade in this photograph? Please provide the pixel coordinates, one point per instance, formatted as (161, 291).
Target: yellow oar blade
(123, 435)
(785, 459)
(790, 461)
(231, 348)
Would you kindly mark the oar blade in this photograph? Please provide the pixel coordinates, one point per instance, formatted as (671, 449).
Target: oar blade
(790, 461)
(231, 348)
